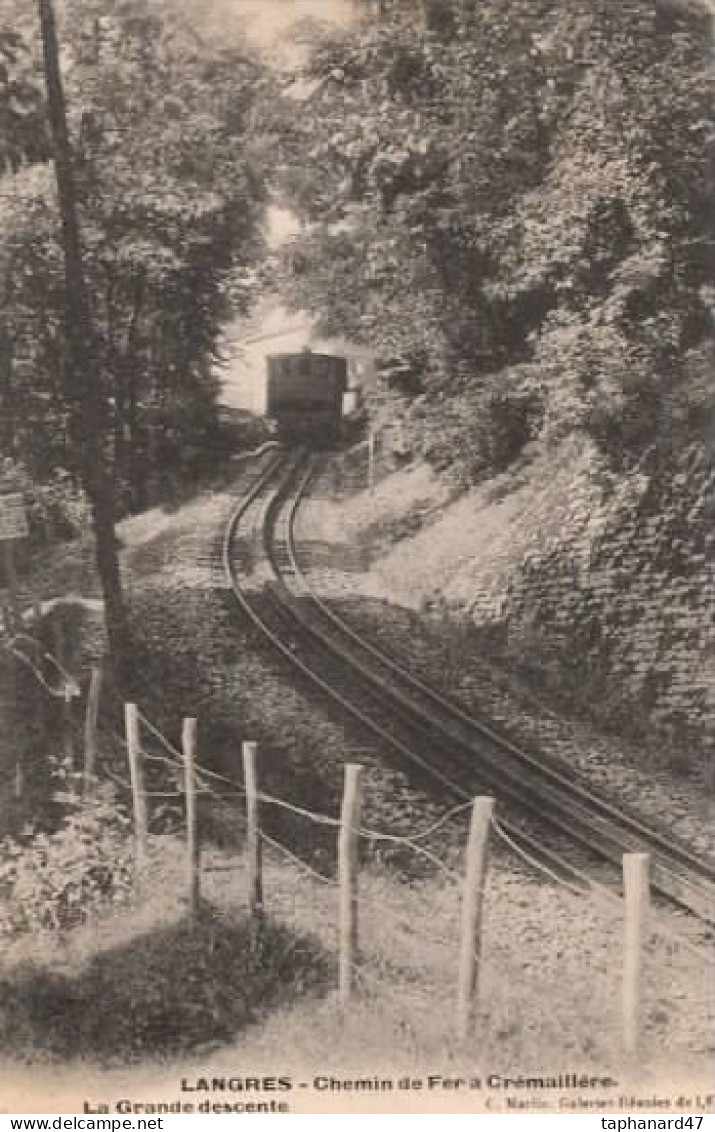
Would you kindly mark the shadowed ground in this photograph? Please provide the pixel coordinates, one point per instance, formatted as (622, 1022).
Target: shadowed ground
(175, 988)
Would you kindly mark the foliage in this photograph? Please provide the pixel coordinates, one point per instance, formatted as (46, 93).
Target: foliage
(52, 881)
(170, 210)
(56, 510)
(22, 134)
(513, 210)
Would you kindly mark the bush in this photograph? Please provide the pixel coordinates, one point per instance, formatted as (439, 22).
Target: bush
(52, 881)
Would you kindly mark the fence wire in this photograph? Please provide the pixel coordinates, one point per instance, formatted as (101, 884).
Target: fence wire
(71, 687)
(300, 864)
(534, 863)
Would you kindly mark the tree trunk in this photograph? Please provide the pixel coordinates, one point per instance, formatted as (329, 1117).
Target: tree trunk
(83, 390)
(108, 569)
(134, 474)
(7, 424)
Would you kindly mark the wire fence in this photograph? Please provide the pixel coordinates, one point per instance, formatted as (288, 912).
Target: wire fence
(168, 775)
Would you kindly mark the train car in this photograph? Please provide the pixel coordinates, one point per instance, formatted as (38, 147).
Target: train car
(304, 395)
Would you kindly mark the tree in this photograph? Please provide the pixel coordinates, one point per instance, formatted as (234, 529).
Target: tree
(87, 412)
(513, 211)
(116, 286)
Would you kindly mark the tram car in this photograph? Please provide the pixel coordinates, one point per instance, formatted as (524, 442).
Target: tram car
(304, 396)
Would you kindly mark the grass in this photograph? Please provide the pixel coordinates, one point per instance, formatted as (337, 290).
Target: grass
(144, 984)
(147, 981)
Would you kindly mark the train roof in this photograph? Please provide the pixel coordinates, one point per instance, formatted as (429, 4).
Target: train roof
(306, 354)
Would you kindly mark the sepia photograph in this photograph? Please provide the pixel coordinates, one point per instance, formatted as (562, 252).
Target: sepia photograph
(357, 499)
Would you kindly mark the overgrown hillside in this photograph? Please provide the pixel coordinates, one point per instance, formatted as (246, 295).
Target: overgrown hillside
(596, 587)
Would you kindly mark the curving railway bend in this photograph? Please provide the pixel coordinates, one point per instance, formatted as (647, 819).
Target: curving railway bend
(546, 811)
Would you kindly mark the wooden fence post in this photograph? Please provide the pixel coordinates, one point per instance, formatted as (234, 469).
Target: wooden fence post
(188, 747)
(91, 721)
(348, 865)
(474, 879)
(254, 845)
(636, 900)
(136, 775)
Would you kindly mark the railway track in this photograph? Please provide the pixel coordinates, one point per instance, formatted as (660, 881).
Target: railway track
(421, 726)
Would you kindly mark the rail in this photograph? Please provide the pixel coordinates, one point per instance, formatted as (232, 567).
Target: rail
(555, 799)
